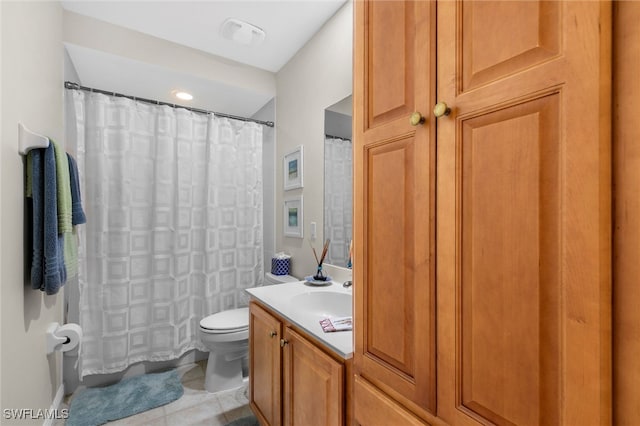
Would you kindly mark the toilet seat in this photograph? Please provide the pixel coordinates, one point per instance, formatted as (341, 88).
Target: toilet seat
(231, 321)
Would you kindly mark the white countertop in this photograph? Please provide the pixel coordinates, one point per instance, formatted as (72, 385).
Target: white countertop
(279, 298)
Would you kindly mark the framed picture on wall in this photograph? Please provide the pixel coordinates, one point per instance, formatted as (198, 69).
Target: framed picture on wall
(293, 222)
(293, 169)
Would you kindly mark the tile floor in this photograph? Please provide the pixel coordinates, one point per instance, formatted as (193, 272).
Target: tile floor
(196, 406)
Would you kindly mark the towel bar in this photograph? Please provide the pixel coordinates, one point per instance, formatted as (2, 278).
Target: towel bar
(28, 140)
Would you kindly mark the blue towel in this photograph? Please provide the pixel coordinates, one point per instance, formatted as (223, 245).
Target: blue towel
(47, 267)
(77, 213)
(35, 193)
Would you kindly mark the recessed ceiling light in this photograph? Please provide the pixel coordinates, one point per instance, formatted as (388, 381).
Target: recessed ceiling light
(183, 95)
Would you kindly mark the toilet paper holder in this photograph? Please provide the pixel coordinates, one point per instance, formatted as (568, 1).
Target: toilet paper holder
(53, 341)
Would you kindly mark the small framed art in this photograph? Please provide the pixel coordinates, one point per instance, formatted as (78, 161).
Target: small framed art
(293, 169)
(293, 222)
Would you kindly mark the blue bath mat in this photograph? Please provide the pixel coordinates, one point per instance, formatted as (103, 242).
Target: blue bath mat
(96, 406)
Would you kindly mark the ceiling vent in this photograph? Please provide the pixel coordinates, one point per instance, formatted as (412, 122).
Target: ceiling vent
(242, 32)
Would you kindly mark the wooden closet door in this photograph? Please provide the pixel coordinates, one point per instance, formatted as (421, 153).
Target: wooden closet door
(626, 239)
(394, 178)
(523, 220)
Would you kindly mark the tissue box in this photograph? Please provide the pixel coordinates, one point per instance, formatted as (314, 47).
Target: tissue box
(280, 266)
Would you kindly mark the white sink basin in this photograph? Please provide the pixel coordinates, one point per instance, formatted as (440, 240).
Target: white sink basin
(304, 306)
(323, 304)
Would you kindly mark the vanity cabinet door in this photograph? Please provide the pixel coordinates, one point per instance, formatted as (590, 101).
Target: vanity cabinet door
(265, 364)
(313, 384)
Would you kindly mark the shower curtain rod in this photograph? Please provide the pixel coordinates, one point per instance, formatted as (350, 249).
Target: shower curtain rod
(76, 86)
(337, 137)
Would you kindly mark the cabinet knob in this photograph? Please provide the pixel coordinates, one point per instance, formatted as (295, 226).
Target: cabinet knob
(441, 109)
(416, 118)
(283, 342)
(273, 334)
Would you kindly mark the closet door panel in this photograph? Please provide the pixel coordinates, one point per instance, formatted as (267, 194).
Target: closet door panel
(509, 291)
(392, 59)
(374, 408)
(391, 216)
(626, 315)
(394, 199)
(524, 216)
(506, 37)
(397, 339)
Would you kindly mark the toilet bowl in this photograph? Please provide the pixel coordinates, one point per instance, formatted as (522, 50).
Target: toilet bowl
(226, 336)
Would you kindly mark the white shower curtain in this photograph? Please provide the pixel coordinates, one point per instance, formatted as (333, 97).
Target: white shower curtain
(174, 226)
(338, 198)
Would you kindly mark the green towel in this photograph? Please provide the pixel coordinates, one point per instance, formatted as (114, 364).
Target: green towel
(64, 190)
(65, 226)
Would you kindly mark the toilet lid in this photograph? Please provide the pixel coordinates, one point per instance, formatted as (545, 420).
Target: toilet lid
(228, 321)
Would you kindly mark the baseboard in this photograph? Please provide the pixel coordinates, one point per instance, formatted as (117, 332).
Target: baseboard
(55, 406)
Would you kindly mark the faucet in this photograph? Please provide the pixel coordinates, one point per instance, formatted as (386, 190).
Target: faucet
(347, 284)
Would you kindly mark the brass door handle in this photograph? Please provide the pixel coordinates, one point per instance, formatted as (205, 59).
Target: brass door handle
(441, 109)
(283, 342)
(416, 119)
(273, 334)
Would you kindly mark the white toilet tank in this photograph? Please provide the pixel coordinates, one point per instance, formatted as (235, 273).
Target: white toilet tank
(270, 279)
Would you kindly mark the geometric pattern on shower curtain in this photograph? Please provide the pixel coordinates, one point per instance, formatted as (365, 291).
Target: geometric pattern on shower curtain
(338, 198)
(174, 226)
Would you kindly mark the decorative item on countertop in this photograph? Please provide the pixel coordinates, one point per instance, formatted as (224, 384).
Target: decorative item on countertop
(329, 325)
(349, 264)
(280, 264)
(320, 276)
(310, 280)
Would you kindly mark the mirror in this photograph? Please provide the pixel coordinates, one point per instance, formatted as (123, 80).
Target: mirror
(338, 181)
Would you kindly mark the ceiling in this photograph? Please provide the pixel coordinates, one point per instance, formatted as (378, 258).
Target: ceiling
(288, 25)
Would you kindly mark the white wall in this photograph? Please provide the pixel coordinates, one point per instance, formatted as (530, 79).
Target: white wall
(1, 341)
(98, 46)
(318, 76)
(70, 73)
(336, 124)
(88, 32)
(32, 62)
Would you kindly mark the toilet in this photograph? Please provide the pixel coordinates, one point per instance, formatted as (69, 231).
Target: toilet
(226, 336)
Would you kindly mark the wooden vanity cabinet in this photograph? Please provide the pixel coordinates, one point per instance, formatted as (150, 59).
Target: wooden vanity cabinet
(265, 366)
(313, 384)
(293, 381)
(482, 267)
